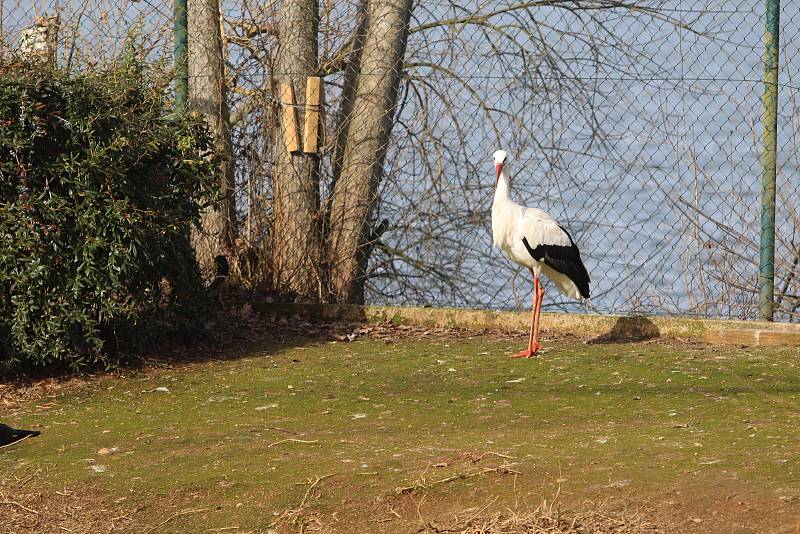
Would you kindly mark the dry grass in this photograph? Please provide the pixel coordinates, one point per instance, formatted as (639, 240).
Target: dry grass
(547, 519)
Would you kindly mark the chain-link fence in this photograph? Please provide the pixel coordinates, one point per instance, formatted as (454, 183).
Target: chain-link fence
(86, 33)
(636, 124)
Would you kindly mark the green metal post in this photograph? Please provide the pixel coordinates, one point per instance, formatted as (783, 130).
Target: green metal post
(769, 140)
(181, 55)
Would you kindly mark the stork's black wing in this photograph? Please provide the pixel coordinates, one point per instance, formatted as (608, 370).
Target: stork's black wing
(564, 259)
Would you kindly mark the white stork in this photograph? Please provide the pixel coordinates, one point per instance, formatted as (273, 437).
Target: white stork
(533, 239)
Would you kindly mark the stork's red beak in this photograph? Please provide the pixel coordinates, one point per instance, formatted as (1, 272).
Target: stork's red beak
(498, 168)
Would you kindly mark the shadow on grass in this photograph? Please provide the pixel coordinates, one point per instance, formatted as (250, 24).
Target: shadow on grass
(237, 334)
(231, 335)
(629, 330)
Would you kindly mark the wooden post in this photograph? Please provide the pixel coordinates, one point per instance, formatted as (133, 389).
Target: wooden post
(310, 133)
(289, 118)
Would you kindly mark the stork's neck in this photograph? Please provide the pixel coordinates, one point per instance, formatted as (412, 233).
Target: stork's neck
(501, 191)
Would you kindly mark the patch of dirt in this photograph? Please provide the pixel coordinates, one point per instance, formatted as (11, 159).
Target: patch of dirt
(87, 510)
(733, 508)
(77, 511)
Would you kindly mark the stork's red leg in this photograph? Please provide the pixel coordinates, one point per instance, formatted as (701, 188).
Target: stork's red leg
(536, 307)
(535, 346)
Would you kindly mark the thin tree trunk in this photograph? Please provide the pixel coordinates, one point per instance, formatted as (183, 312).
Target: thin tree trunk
(296, 239)
(352, 66)
(208, 95)
(361, 156)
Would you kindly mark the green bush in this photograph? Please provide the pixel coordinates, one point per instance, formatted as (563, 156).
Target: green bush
(99, 189)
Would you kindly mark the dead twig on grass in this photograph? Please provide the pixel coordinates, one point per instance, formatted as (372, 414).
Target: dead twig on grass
(472, 457)
(423, 484)
(475, 459)
(419, 512)
(482, 509)
(387, 519)
(6, 502)
(311, 487)
(28, 479)
(174, 516)
(293, 513)
(113, 522)
(282, 430)
(293, 440)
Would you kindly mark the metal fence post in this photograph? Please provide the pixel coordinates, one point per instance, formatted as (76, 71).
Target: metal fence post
(181, 55)
(769, 153)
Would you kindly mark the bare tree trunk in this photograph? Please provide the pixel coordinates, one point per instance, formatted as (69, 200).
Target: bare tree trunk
(296, 239)
(361, 156)
(352, 66)
(208, 95)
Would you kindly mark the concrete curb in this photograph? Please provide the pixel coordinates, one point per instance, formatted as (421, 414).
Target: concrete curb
(750, 333)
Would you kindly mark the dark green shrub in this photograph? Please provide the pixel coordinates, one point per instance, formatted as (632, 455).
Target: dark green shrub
(99, 189)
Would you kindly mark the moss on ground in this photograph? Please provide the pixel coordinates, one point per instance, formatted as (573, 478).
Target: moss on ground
(690, 431)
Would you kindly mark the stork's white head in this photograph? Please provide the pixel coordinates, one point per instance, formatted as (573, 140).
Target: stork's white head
(500, 157)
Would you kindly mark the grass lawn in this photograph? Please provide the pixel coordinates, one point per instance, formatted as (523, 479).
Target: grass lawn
(290, 435)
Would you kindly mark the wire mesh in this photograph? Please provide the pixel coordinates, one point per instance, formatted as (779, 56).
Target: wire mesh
(89, 33)
(636, 124)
